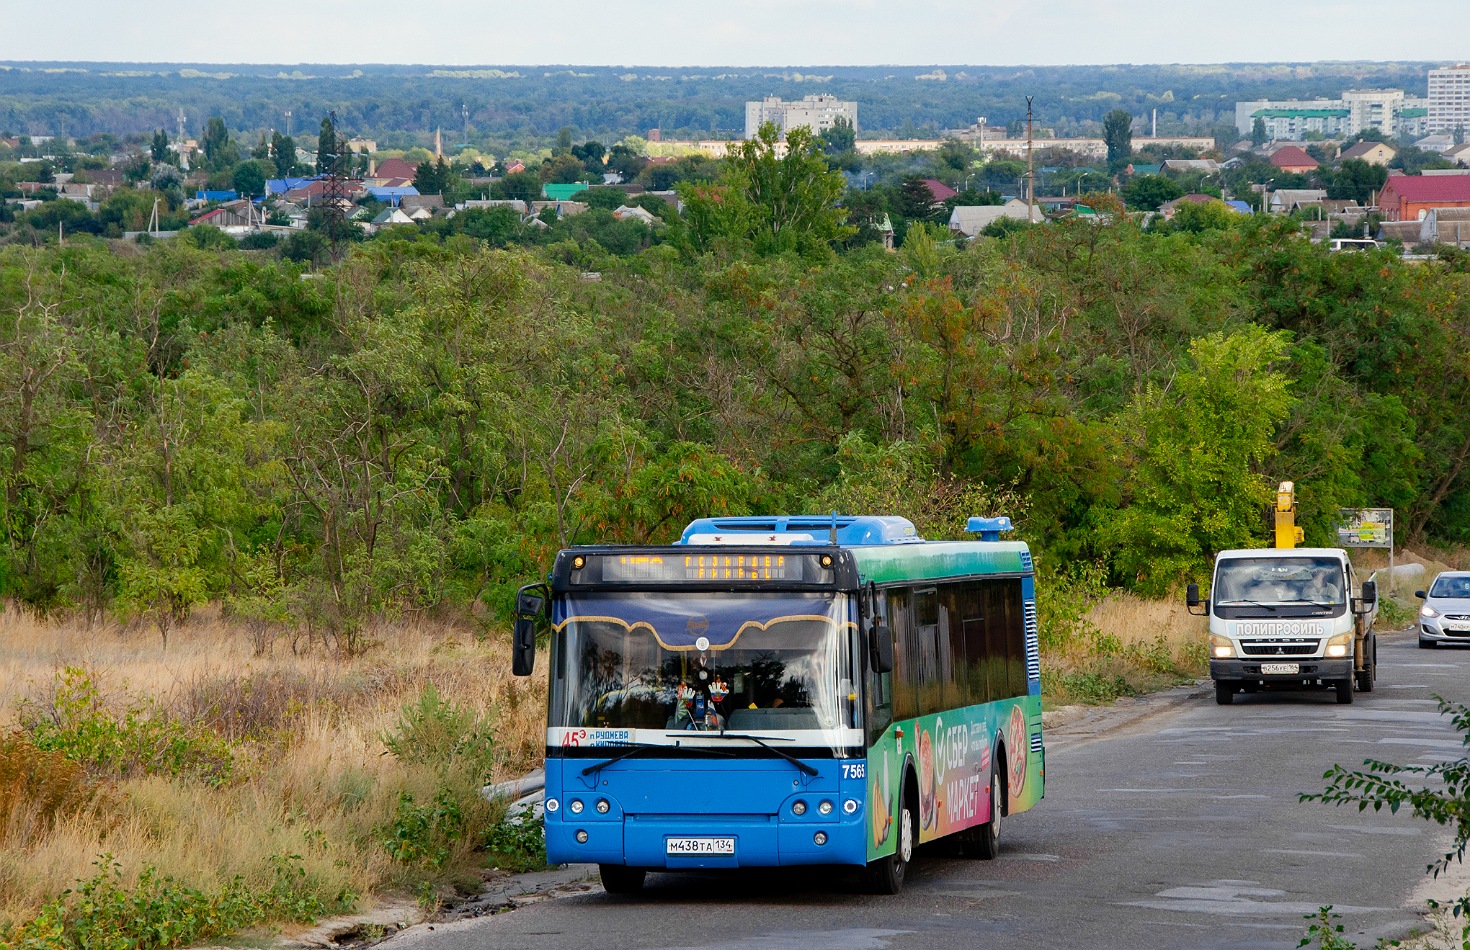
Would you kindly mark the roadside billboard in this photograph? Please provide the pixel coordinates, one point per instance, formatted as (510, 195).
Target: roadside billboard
(1365, 527)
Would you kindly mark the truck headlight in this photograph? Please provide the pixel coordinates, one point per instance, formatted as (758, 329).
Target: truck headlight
(1220, 647)
(1428, 611)
(1338, 646)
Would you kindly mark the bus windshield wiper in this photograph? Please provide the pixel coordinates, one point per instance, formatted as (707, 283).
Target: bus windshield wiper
(637, 750)
(805, 769)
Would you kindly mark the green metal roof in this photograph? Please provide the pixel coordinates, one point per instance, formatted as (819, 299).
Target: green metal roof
(1414, 113)
(935, 560)
(1301, 113)
(563, 192)
(1147, 169)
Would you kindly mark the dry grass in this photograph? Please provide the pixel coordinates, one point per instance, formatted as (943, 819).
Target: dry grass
(1129, 645)
(316, 779)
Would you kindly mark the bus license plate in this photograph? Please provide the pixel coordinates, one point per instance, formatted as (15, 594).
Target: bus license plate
(1281, 667)
(695, 846)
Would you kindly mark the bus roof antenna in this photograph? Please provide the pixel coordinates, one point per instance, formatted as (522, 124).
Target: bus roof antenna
(832, 536)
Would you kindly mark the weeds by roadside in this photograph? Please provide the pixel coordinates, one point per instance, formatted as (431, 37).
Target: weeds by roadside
(194, 770)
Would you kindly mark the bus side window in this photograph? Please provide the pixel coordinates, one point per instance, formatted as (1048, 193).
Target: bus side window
(970, 629)
(952, 607)
(930, 663)
(1016, 639)
(905, 702)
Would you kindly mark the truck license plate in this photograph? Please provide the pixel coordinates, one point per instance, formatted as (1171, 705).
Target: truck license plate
(1281, 667)
(701, 846)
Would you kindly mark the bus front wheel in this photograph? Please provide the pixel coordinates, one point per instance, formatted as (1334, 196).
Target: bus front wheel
(886, 875)
(617, 879)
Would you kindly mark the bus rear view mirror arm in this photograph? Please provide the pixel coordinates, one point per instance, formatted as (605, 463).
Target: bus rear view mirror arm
(530, 604)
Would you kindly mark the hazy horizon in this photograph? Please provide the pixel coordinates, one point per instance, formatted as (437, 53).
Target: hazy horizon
(667, 34)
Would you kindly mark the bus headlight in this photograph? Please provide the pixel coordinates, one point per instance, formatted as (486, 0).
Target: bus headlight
(576, 806)
(603, 806)
(581, 837)
(850, 806)
(825, 808)
(1220, 647)
(1338, 646)
(820, 837)
(798, 808)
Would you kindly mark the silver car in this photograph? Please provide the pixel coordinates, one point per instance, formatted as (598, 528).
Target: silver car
(1445, 616)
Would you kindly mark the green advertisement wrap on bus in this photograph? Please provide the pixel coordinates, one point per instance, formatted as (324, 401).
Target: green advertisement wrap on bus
(952, 754)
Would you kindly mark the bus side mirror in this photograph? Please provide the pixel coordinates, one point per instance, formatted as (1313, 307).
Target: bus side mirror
(530, 604)
(882, 648)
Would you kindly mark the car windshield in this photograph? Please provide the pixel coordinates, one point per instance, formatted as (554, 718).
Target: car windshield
(653, 667)
(1279, 580)
(1451, 586)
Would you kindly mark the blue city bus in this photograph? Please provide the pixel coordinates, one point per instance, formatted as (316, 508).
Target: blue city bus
(819, 690)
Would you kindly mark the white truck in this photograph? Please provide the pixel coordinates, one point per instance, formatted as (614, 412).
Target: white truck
(1289, 618)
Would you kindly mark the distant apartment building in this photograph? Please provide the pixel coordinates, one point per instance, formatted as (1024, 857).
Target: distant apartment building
(817, 113)
(1357, 111)
(1449, 99)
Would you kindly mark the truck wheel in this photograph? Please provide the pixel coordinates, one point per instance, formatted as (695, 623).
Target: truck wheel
(617, 879)
(886, 875)
(1344, 691)
(1369, 673)
(1224, 693)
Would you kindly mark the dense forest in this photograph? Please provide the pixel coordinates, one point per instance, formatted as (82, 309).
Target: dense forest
(497, 108)
(421, 424)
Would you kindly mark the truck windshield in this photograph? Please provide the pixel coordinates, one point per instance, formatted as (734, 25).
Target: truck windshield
(1279, 581)
(672, 667)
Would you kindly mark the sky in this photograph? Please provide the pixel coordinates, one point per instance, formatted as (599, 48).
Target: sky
(740, 32)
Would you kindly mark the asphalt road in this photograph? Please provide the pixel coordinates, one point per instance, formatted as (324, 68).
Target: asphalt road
(1178, 829)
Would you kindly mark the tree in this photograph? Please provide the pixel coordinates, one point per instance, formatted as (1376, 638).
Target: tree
(249, 177)
(326, 147)
(1356, 180)
(1259, 135)
(590, 153)
(563, 142)
(220, 151)
(525, 186)
(1118, 136)
(161, 151)
(625, 161)
(1148, 192)
(775, 202)
(1195, 457)
(841, 137)
(283, 154)
(916, 202)
(433, 178)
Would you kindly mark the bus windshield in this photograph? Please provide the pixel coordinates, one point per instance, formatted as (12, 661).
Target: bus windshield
(1279, 581)
(637, 668)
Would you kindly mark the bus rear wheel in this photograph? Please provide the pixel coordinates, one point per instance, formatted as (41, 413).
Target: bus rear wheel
(886, 875)
(617, 879)
(986, 837)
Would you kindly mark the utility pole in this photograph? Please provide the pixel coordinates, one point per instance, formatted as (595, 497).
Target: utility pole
(1030, 170)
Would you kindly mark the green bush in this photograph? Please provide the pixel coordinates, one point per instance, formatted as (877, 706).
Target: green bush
(424, 834)
(139, 739)
(436, 732)
(159, 912)
(516, 846)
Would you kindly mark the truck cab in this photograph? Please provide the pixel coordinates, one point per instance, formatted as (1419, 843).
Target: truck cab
(1290, 618)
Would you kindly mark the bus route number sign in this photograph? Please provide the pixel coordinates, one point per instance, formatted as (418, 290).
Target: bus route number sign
(854, 770)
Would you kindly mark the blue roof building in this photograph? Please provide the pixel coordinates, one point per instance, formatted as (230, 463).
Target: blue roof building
(227, 195)
(393, 195)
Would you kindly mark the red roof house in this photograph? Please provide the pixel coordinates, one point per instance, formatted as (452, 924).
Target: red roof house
(396, 168)
(1293, 159)
(939, 189)
(1409, 197)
